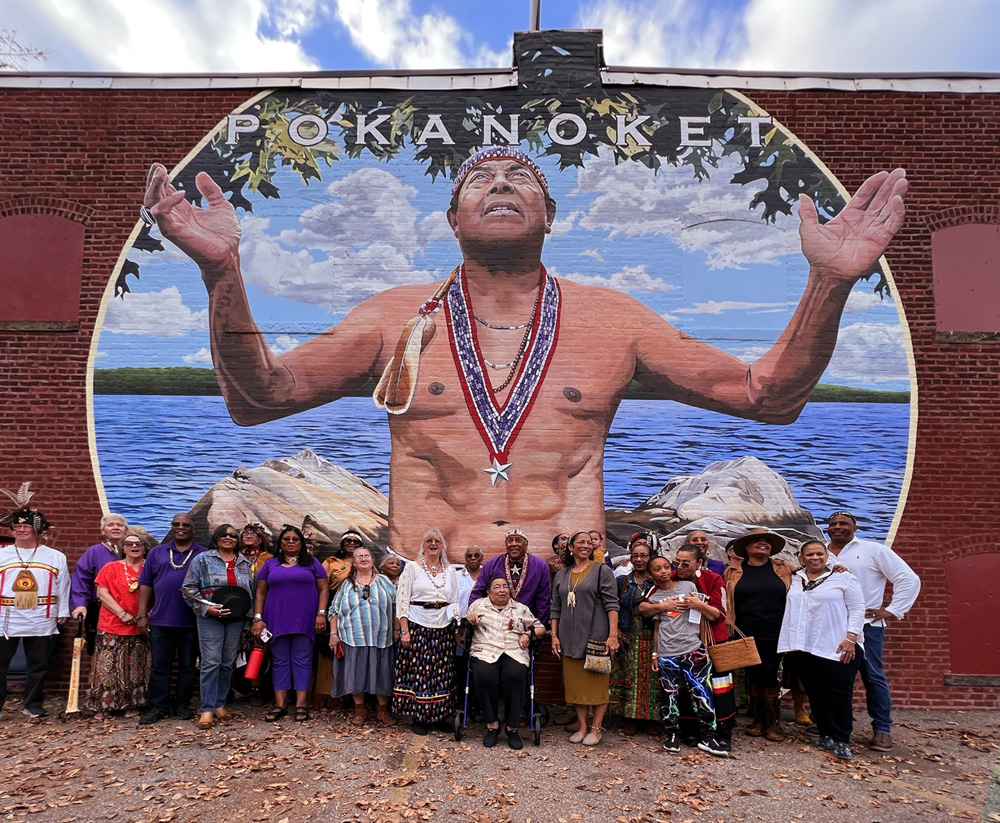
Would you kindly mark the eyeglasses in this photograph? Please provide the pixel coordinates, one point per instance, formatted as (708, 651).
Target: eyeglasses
(684, 564)
(181, 526)
(133, 543)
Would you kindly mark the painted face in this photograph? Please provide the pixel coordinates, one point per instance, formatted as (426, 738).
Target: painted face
(659, 570)
(363, 559)
(517, 547)
(473, 560)
(499, 593)
(813, 556)
(500, 198)
(114, 530)
(841, 529)
(686, 565)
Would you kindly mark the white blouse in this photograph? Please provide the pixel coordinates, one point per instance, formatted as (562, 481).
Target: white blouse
(415, 586)
(816, 621)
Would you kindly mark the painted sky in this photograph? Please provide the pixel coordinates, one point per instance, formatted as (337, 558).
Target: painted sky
(301, 35)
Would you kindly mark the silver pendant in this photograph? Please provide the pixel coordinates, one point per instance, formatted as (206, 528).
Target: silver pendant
(498, 471)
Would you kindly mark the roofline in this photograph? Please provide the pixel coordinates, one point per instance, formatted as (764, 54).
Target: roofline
(458, 79)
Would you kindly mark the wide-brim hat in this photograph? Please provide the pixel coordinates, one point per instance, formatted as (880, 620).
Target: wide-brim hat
(776, 540)
(234, 598)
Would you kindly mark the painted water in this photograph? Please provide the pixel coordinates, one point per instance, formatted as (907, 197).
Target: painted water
(158, 455)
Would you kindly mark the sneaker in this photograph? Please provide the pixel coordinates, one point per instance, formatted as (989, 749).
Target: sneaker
(514, 739)
(825, 742)
(672, 743)
(151, 717)
(35, 711)
(842, 751)
(490, 740)
(712, 746)
(881, 742)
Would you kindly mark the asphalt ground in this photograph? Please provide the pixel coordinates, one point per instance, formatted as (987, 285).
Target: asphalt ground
(328, 770)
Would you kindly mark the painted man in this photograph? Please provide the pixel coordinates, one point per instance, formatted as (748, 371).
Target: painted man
(34, 602)
(527, 576)
(502, 392)
(874, 565)
(170, 623)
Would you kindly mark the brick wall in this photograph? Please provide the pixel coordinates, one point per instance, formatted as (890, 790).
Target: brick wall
(85, 153)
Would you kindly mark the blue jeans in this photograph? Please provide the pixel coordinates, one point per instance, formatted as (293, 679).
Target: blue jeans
(876, 686)
(166, 642)
(219, 643)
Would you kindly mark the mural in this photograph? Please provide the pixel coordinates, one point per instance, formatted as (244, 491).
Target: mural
(556, 309)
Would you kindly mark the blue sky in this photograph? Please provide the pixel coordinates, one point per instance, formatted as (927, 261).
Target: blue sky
(297, 35)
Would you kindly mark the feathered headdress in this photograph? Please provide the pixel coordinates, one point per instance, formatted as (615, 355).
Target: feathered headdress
(24, 514)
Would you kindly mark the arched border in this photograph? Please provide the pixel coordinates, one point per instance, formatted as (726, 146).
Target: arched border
(37, 204)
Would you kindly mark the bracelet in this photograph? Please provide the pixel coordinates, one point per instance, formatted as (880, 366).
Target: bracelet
(852, 642)
(321, 613)
(142, 617)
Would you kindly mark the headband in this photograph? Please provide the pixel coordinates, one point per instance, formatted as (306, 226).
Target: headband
(498, 153)
(517, 532)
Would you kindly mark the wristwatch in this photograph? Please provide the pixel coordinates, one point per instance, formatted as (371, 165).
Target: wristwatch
(257, 617)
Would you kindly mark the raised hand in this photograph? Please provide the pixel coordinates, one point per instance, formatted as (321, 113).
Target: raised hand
(849, 245)
(208, 236)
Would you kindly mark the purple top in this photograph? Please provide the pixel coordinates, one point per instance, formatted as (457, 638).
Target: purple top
(716, 566)
(536, 590)
(292, 597)
(169, 608)
(82, 589)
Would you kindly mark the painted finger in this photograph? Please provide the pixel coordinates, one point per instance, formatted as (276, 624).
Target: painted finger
(210, 190)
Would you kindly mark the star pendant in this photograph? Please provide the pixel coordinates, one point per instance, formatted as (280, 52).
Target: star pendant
(498, 471)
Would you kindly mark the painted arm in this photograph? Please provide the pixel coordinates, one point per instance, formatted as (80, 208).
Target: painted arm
(775, 388)
(257, 384)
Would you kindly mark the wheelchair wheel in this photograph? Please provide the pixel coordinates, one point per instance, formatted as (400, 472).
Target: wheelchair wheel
(542, 712)
(538, 728)
(459, 724)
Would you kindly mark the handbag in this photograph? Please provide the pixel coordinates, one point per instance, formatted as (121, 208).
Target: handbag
(738, 653)
(596, 659)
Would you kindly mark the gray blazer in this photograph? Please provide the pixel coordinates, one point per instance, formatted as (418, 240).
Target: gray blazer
(596, 595)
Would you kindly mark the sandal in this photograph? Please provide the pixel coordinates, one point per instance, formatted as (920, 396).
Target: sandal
(301, 714)
(276, 714)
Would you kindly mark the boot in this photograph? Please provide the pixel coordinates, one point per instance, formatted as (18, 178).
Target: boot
(799, 700)
(206, 720)
(756, 710)
(360, 714)
(772, 718)
(385, 716)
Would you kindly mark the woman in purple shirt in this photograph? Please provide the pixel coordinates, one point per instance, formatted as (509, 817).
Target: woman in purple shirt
(291, 605)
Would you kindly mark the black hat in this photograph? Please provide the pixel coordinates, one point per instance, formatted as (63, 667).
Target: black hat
(776, 540)
(234, 598)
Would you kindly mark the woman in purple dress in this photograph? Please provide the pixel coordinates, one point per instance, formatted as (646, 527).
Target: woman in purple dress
(291, 605)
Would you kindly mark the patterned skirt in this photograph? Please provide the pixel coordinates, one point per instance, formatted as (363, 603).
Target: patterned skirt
(425, 675)
(119, 672)
(635, 689)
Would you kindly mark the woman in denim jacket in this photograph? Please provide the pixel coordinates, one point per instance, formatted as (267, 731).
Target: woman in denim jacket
(218, 630)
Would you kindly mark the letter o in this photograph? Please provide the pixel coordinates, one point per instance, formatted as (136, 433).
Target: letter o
(558, 120)
(311, 119)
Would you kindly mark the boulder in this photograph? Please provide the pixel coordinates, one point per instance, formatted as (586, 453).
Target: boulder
(320, 497)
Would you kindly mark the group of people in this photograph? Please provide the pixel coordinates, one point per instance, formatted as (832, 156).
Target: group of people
(638, 642)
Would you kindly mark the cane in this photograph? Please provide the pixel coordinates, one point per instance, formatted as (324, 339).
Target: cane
(73, 701)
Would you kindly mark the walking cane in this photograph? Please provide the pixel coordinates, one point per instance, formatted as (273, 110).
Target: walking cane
(73, 701)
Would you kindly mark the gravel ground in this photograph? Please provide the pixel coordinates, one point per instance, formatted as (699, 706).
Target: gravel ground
(327, 770)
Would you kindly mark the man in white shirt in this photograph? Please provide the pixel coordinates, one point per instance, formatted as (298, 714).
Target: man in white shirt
(874, 564)
(468, 575)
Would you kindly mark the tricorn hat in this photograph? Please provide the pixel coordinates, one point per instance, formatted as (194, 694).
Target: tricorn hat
(776, 540)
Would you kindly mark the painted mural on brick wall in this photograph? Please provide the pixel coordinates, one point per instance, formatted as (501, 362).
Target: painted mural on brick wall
(611, 309)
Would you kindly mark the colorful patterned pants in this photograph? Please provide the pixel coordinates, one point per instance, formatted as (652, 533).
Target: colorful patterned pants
(695, 670)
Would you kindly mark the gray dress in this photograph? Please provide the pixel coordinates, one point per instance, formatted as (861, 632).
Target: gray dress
(596, 595)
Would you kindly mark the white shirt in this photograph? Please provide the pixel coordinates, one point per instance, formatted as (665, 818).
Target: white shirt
(816, 621)
(48, 567)
(415, 586)
(465, 586)
(499, 630)
(874, 565)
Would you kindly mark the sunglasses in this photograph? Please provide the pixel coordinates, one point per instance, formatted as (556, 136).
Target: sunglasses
(229, 536)
(683, 564)
(366, 591)
(181, 526)
(133, 543)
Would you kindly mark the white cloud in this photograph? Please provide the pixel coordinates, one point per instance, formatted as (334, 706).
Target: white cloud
(565, 225)
(157, 313)
(362, 239)
(283, 343)
(862, 301)
(100, 355)
(712, 217)
(168, 35)
(435, 227)
(203, 355)
(807, 35)
(630, 279)
(719, 306)
(391, 34)
(869, 352)
(593, 254)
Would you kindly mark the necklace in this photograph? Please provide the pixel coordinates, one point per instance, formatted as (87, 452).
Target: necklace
(520, 349)
(133, 582)
(493, 365)
(515, 590)
(25, 584)
(503, 328)
(575, 579)
(440, 573)
(112, 548)
(185, 557)
(25, 563)
(499, 425)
